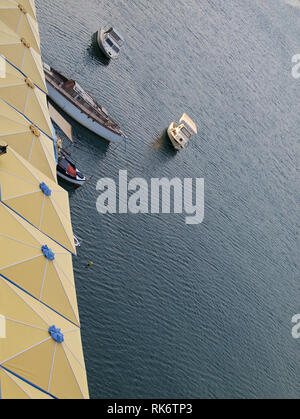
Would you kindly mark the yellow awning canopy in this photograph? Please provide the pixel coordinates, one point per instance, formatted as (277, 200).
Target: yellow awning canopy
(49, 362)
(26, 98)
(21, 18)
(24, 262)
(20, 53)
(37, 198)
(35, 147)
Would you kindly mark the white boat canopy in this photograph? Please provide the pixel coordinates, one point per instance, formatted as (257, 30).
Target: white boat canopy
(189, 124)
(115, 36)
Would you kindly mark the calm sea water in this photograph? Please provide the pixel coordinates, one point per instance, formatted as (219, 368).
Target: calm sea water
(170, 310)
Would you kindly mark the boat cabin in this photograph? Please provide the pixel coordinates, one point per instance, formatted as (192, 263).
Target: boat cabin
(185, 130)
(113, 39)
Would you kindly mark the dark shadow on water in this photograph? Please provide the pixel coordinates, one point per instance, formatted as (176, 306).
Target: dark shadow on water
(71, 189)
(162, 143)
(95, 52)
(161, 151)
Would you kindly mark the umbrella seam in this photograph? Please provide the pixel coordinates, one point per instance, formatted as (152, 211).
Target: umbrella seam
(19, 177)
(24, 351)
(52, 366)
(31, 147)
(23, 59)
(73, 372)
(44, 277)
(19, 263)
(66, 293)
(25, 324)
(21, 195)
(72, 283)
(19, 22)
(27, 99)
(75, 357)
(12, 133)
(42, 212)
(19, 241)
(61, 222)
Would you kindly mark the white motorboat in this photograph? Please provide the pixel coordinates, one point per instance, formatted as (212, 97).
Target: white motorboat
(68, 171)
(110, 42)
(180, 134)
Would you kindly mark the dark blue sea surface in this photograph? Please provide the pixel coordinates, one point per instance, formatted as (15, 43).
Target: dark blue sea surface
(170, 310)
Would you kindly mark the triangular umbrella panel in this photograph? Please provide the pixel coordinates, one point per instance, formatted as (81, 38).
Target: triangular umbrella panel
(12, 387)
(20, 53)
(41, 348)
(37, 264)
(21, 18)
(20, 92)
(34, 146)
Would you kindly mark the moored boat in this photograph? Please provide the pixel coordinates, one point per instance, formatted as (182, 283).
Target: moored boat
(78, 104)
(180, 134)
(67, 171)
(110, 42)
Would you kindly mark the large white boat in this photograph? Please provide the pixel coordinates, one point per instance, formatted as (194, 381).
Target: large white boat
(78, 104)
(180, 134)
(110, 42)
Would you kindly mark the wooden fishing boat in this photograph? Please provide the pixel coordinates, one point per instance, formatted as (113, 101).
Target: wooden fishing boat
(78, 104)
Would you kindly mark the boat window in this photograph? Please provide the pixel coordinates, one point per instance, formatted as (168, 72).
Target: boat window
(117, 38)
(186, 132)
(116, 49)
(109, 42)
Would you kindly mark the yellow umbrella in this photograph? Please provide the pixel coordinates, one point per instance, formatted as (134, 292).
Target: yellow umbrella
(37, 264)
(42, 352)
(35, 197)
(20, 53)
(30, 143)
(21, 18)
(22, 94)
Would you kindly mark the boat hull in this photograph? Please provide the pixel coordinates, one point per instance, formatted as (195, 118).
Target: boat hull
(81, 117)
(171, 137)
(69, 180)
(100, 41)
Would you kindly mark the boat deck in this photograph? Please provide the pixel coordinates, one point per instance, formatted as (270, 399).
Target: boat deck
(82, 100)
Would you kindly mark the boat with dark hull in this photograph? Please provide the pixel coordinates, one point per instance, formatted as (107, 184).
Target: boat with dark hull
(67, 171)
(78, 104)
